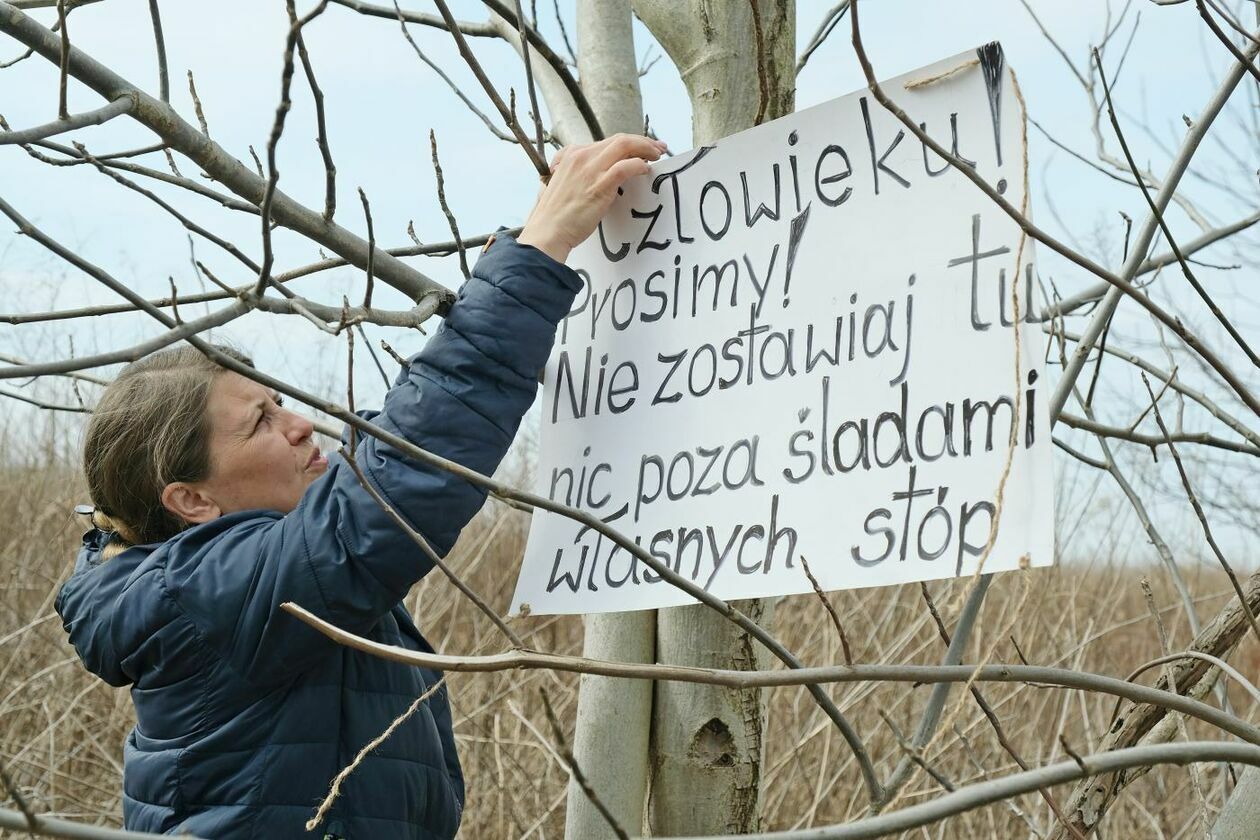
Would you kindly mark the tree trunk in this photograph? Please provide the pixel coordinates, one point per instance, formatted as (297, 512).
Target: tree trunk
(1240, 818)
(614, 716)
(706, 747)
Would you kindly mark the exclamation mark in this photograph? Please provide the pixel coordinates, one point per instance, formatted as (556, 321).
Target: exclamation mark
(992, 65)
(794, 240)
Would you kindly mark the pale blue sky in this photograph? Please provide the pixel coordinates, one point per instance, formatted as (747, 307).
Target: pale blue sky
(382, 102)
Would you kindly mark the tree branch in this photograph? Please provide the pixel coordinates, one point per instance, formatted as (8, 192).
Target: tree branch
(122, 105)
(997, 790)
(215, 161)
(525, 660)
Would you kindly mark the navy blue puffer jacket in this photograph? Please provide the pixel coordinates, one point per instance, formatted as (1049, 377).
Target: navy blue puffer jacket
(244, 714)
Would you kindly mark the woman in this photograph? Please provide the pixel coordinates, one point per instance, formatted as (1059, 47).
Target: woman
(214, 506)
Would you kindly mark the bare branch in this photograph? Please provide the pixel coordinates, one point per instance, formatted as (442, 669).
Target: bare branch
(129, 354)
(1224, 39)
(277, 128)
(367, 215)
(534, 155)
(330, 169)
(446, 210)
(164, 80)
(831, 611)
(436, 249)
(1093, 293)
(215, 161)
(47, 4)
(54, 827)
(122, 105)
(997, 790)
(991, 715)
(1179, 385)
(494, 129)
(1163, 226)
(833, 17)
(523, 660)
(110, 160)
(38, 403)
(82, 377)
(63, 60)
(529, 82)
(1206, 657)
(1202, 438)
(491, 30)
(931, 715)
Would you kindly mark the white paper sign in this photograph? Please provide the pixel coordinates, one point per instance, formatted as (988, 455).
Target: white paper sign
(800, 342)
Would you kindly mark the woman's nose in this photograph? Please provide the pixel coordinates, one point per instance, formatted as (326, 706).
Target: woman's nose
(299, 428)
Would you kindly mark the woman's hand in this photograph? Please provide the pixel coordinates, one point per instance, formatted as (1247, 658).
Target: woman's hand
(584, 182)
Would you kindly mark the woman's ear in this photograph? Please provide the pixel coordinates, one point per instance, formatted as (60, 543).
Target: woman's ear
(189, 503)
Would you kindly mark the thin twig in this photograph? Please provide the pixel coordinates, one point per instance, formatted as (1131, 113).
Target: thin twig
(529, 81)
(1120, 433)
(372, 352)
(197, 109)
(831, 611)
(419, 539)
(330, 169)
(62, 111)
(334, 789)
(164, 80)
(277, 128)
(367, 214)
(578, 776)
(829, 22)
(991, 716)
(914, 754)
(1224, 39)
(436, 68)
(122, 105)
(1170, 680)
(539, 43)
(446, 210)
(535, 157)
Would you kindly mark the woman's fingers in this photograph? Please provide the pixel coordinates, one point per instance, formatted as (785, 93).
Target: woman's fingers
(583, 185)
(619, 173)
(622, 146)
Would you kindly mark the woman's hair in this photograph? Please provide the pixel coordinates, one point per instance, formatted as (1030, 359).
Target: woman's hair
(149, 429)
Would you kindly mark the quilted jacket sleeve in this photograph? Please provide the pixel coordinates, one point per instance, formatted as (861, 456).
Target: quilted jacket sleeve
(338, 554)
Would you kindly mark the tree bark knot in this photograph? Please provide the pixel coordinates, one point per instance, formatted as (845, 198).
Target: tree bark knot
(713, 745)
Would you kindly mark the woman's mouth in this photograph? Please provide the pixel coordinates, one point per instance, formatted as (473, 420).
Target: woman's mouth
(317, 461)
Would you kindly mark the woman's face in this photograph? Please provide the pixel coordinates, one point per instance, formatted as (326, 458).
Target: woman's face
(261, 455)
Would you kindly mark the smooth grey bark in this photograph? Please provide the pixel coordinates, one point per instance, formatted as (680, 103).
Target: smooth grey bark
(707, 754)
(614, 716)
(1240, 818)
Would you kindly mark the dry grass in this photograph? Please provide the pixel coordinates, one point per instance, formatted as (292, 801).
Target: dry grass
(61, 730)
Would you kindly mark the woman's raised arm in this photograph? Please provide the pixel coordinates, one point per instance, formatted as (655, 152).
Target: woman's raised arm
(462, 397)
